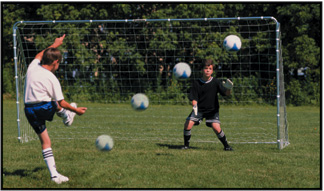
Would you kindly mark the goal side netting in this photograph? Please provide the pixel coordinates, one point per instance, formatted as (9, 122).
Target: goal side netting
(107, 61)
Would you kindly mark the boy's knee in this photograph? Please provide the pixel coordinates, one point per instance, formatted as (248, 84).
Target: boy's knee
(188, 124)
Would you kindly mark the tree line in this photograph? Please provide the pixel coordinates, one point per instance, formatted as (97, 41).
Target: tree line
(300, 33)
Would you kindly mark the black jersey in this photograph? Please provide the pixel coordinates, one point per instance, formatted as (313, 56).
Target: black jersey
(206, 94)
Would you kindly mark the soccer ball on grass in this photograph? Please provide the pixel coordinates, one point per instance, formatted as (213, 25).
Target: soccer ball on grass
(104, 143)
(139, 102)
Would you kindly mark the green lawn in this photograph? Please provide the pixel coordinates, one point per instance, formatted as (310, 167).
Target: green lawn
(147, 155)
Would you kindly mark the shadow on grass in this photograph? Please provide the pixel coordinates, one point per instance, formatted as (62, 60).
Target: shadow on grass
(21, 172)
(174, 146)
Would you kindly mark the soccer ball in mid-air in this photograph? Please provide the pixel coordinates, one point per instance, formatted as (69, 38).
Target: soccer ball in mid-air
(140, 102)
(104, 143)
(232, 43)
(182, 70)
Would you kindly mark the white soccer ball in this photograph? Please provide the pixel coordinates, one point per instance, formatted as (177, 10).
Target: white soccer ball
(232, 43)
(182, 70)
(140, 102)
(104, 143)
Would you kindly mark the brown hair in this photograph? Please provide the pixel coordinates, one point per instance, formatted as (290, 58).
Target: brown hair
(207, 62)
(50, 55)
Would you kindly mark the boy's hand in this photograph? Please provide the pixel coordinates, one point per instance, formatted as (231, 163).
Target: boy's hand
(228, 84)
(58, 41)
(81, 110)
(195, 109)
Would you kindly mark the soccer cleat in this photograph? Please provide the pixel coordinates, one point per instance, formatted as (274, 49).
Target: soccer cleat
(59, 179)
(68, 120)
(228, 148)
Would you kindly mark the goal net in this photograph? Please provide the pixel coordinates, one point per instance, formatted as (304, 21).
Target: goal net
(107, 61)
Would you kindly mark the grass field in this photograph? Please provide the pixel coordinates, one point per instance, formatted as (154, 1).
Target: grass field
(147, 155)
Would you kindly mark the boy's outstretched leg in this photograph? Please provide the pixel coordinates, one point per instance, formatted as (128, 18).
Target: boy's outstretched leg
(221, 136)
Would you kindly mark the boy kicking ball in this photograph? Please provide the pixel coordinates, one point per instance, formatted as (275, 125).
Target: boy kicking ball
(204, 97)
(44, 98)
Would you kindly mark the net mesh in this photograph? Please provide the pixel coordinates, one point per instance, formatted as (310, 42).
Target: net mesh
(110, 61)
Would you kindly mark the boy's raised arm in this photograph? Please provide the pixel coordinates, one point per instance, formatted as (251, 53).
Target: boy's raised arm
(58, 42)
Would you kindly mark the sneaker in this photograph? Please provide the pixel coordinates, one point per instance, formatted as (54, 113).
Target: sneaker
(228, 148)
(59, 179)
(60, 114)
(70, 115)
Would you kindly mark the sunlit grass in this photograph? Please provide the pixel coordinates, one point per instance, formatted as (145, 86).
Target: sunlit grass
(147, 155)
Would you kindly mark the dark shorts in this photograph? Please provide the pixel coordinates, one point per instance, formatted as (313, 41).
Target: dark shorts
(38, 113)
(210, 118)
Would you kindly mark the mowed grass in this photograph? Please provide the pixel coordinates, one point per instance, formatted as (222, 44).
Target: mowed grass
(147, 155)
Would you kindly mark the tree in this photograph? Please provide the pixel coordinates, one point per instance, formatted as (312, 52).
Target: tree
(301, 42)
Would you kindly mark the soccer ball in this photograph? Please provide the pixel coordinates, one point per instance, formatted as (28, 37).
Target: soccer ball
(232, 43)
(104, 143)
(140, 102)
(182, 70)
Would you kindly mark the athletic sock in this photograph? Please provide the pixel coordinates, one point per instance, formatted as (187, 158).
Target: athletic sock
(186, 136)
(221, 136)
(50, 162)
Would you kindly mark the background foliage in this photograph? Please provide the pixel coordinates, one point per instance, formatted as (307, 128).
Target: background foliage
(300, 26)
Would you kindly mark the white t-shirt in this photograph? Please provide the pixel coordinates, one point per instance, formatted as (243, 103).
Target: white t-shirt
(41, 84)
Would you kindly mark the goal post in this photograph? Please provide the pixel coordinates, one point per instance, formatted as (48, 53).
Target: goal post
(25, 132)
(108, 61)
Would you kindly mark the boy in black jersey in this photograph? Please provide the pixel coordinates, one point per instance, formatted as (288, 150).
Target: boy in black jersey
(204, 97)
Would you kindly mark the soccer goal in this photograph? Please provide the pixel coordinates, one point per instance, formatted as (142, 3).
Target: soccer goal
(108, 61)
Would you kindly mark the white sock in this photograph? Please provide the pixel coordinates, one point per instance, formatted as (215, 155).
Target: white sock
(50, 162)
